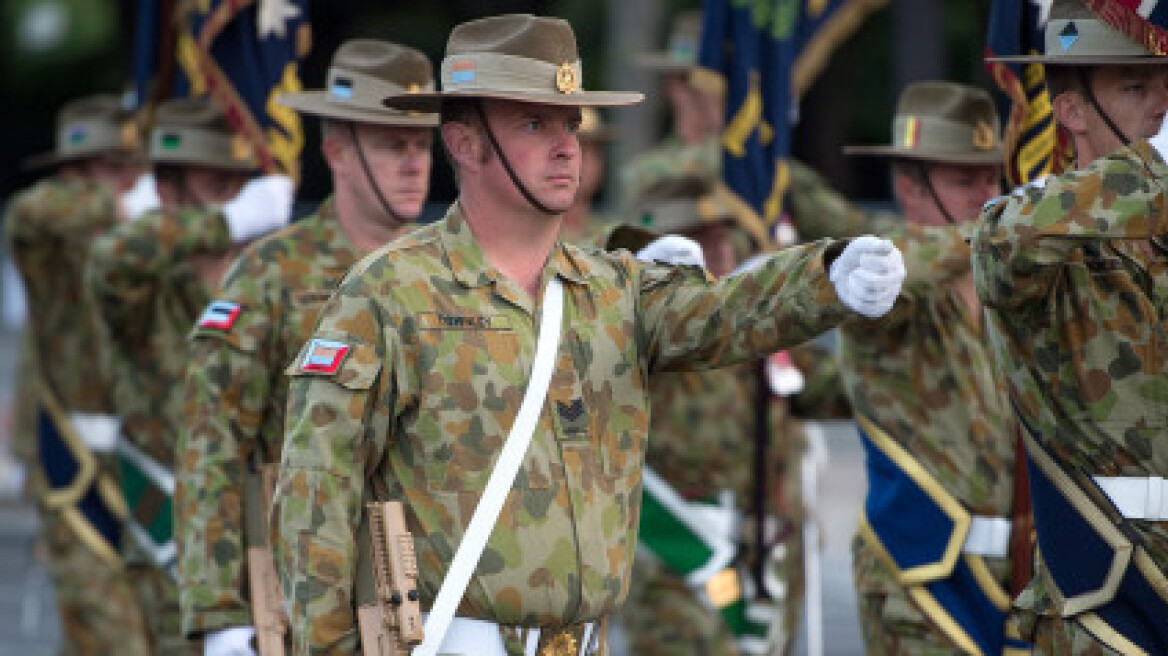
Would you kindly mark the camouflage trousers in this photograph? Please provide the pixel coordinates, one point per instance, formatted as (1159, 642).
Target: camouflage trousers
(158, 595)
(664, 616)
(889, 620)
(99, 613)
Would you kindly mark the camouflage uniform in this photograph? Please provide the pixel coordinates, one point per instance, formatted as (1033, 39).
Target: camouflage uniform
(439, 345)
(149, 296)
(672, 158)
(237, 393)
(1075, 281)
(49, 228)
(924, 376)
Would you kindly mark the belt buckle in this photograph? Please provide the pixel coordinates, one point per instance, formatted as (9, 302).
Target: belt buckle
(561, 642)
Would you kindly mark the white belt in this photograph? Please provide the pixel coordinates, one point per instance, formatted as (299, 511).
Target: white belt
(988, 536)
(1137, 497)
(99, 432)
(471, 637)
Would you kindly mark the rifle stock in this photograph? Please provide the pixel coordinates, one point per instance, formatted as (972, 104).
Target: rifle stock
(267, 600)
(392, 624)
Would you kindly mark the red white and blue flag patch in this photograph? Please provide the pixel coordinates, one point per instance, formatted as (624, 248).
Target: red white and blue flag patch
(324, 356)
(220, 315)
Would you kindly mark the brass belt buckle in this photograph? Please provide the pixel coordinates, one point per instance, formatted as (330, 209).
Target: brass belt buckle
(561, 643)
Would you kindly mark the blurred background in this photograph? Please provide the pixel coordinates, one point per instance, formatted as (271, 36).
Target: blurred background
(55, 50)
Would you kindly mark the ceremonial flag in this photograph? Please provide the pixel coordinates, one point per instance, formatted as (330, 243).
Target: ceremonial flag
(765, 53)
(244, 53)
(1145, 21)
(1033, 145)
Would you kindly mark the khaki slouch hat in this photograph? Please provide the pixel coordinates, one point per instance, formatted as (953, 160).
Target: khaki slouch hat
(91, 126)
(516, 57)
(195, 132)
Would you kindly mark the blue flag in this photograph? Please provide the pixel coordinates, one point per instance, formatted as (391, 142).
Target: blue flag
(244, 53)
(766, 52)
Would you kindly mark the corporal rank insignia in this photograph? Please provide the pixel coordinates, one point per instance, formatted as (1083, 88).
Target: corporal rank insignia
(570, 411)
(220, 315)
(324, 356)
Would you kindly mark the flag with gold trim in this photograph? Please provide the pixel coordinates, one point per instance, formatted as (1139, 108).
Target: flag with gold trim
(1033, 144)
(766, 53)
(245, 53)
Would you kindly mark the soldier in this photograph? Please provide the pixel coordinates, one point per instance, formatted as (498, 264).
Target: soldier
(694, 578)
(411, 383)
(696, 107)
(49, 228)
(1074, 280)
(931, 558)
(266, 310)
(149, 279)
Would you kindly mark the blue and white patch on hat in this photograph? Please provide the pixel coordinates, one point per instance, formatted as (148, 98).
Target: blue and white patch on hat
(342, 88)
(220, 315)
(1068, 36)
(76, 134)
(324, 356)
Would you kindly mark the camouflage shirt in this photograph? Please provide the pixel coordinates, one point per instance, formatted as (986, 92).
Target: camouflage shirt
(426, 351)
(49, 230)
(237, 393)
(1075, 278)
(148, 296)
(924, 374)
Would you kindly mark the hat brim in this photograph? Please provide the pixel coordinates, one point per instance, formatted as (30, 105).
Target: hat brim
(662, 62)
(180, 159)
(989, 157)
(51, 158)
(1056, 60)
(432, 102)
(317, 103)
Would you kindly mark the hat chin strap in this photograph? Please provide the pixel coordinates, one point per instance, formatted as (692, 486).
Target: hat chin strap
(1085, 79)
(398, 218)
(531, 199)
(933, 192)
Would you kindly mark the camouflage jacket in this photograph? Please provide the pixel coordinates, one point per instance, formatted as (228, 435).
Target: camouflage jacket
(236, 394)
(148, 296)
(415, 373)
(924, 374)
(49, 230)
(1075, 278)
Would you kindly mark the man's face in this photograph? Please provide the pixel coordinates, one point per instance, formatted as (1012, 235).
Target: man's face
(1135, 97)
(117, 172)
(962, 188)
(541, 144)
(399, 160)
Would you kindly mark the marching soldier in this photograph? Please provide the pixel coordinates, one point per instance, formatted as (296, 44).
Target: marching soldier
(1074, 279)
(523, 497)
(266, 310)
(49, 228)
(149, 279)
(932, 556)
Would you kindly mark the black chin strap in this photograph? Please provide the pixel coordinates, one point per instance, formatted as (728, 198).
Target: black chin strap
(531, 200)
(928, 182)
(369, 176)
(1085, 79)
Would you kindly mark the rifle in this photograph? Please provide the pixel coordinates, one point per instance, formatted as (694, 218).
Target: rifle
(390, 622)
(267, 600)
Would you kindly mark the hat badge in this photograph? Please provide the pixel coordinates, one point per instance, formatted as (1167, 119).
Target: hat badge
(566, 80)
(984, 137)
(241, 149)
(129, 135)
(1068, 36)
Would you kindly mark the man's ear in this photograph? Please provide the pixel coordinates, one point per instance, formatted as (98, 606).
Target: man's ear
(463, 143)
(1070, 111)
(908, 192)
(333, 149)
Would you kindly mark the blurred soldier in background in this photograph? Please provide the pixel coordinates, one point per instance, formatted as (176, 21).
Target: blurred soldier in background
(1073, 274)
(932, 557)
(69, 429)
(266, 310)
(582, 223)
(150, 278)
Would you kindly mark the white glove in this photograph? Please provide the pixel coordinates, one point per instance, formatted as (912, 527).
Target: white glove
(673, 249)
(263, 205)
(235, 641)
(1160, 141)
(867, 275)
(142, 197)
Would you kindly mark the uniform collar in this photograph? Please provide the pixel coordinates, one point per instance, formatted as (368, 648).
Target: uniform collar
(470, 265)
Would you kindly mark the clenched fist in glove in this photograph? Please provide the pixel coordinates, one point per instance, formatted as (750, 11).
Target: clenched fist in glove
(263, 205)
(673, 249)
(867, 275)
(235, 641)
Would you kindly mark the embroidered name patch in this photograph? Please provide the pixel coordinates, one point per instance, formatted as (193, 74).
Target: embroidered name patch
(324, 356)
(447, 321)
(220, 315)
